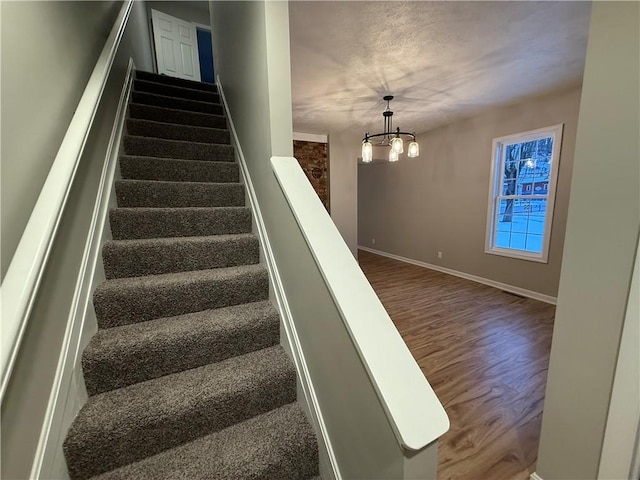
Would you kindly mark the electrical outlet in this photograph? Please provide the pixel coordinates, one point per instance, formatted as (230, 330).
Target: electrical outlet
(439, 254)
(373, 241)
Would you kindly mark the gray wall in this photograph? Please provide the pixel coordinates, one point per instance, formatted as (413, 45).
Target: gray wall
(27, 395)
(438, 201)
(48, 52)
(189, 11)
(251, 50)
(344, 150)
(601, 238)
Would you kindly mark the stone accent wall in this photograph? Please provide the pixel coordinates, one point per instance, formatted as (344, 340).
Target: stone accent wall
(312, 157)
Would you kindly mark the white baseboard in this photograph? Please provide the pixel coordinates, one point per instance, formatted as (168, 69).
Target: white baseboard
(329, 468)
(485, 281)
(68, 393)
(535, 476)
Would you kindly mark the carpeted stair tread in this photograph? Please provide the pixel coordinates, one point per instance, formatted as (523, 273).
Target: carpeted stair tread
(144, 222)
(147, 98)
(131, 423)
(163, 148)
(277, 445)
(171, 131)
(122, 301)
(121, 356)
(165, 169)
(172, 115)
(181, 82)
(175, 91)
(150, 193)
(134, 258)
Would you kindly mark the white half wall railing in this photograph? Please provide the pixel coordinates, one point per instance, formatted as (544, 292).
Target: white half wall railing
(416, 415)
(21, 282)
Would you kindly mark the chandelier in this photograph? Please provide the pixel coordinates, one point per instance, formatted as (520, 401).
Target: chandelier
(389, 138)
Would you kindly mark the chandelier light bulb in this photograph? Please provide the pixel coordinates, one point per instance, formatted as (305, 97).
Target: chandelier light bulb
(367, 151)
(393, 155)
(397, 145)
(414, 149)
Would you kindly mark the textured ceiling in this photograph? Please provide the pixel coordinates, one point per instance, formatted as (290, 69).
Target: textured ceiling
(441, 60)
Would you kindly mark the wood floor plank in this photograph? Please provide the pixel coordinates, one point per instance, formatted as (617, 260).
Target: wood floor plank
(486, 355)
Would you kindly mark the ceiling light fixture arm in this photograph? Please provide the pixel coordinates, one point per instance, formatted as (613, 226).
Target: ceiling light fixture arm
(397, 133)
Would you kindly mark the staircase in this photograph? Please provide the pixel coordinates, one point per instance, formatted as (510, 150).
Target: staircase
(186, 377)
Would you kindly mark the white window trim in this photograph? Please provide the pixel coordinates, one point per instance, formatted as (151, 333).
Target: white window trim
(497, 151)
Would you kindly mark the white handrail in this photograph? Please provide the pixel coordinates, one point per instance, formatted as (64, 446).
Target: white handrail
(414, 412)
(23, 276)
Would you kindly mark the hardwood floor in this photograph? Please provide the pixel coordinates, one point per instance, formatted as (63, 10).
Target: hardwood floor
(485, 353)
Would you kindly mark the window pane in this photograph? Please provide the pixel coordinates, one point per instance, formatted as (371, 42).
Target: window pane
(505, 214)
(534, 243)
(509, 187)
(518, 241)
(502, 239)
(519, 223)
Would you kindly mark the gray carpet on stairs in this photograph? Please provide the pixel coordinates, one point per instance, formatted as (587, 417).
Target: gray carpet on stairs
(177, 103)
(145, 193)
(121, 356)
(176, 91)
(122, 301)
(190, 133)
(134, 422)
(156, 147)
(186, 376)
(150, 168)
(259, 449)
(127, 223)
(152, 256)
(170, 115)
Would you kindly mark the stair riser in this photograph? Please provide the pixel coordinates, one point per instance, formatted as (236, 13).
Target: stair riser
(135, 260)
(105, 371)
(180, 82)
(282, 439)
(141, 302)
(145, 128)
(159, 114)
(155, 147)
(179, 103)
(147, 168)
(200, 415)
(158, 223)
(175, 91)
(179, 194)
(282, 436)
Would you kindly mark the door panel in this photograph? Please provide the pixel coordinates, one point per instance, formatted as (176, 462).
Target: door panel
(168, 57)
(176, 46)
(187, 61)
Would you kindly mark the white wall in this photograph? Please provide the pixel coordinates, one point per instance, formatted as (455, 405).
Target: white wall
(623, 421)
(48, 52)
(23, 155)
(601, 238)
(344, 150)
(251, 52)
(189, 11)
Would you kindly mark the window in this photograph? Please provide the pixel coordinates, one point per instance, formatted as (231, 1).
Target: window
(521, 193)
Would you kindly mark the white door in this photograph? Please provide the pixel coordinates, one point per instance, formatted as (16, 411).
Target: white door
(176, 46)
